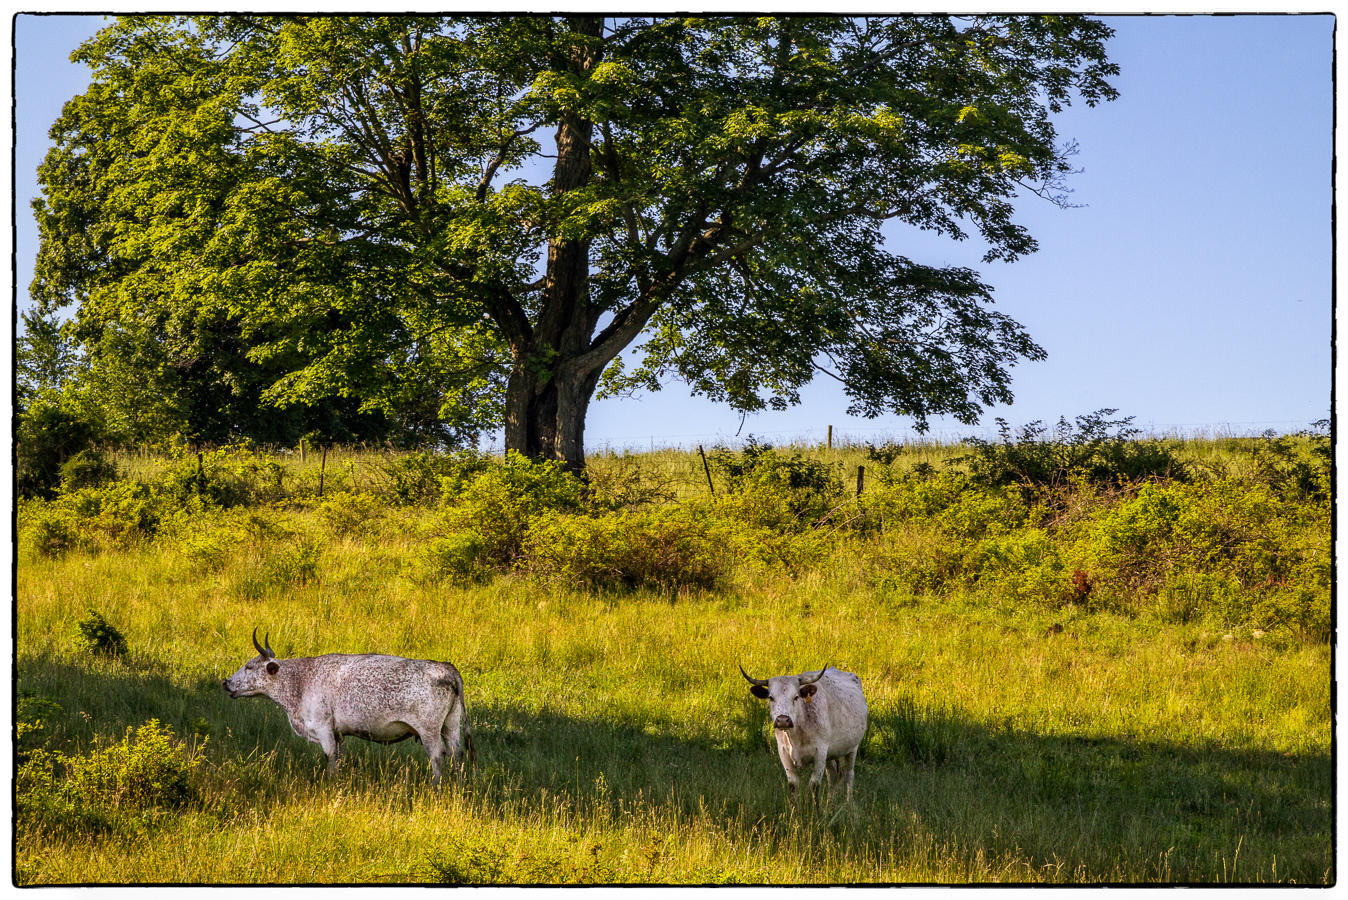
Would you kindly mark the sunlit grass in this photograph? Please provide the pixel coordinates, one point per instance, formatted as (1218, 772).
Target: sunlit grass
(617, 742)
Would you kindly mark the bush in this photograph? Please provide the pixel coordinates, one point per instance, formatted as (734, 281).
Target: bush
(47, 434)
(1225, 550)
(777, 490)
(497, 505)
(1296, 467)
(225, 477)
(1097, 449)
(36, 723)
(118, 514)
(424, 477)
(97, 636)
(952, 502)
(87, 469)
(122, 786)
(48, 530)
(347, 513)
(665, 548)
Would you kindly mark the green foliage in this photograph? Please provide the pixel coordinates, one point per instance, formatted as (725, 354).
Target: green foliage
(125, 786)
(88, 468)
(224, 477)
(347, 513)
(116, 515)
(246, 262)
(48, 433)
(777, 490)
(1113, 682)
(665, 548)
(487, 519)
(1296, 467)
(424, 477)
(96, 635)
(37, 722)
(1098, 449)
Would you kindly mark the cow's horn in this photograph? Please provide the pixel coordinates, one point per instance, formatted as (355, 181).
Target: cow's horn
(758, 681)
(260, 651)
(266, 642)
(815, 678)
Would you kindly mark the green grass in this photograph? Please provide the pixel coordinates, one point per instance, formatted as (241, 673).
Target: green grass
(617, 742)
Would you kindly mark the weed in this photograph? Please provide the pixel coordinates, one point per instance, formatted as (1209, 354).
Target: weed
(97, 636)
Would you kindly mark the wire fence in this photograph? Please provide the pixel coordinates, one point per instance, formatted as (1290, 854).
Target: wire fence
(851, 436)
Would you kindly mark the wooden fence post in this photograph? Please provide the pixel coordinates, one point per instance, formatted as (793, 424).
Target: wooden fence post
(706, 468)
(830, 437)
(861, 479)
(321, 468)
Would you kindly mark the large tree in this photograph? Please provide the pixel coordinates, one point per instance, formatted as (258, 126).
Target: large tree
(489, 211)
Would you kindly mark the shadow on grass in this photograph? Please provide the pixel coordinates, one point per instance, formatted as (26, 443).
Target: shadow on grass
(991, 801)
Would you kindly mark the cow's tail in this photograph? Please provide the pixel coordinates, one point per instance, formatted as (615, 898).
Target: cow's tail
(459, 710)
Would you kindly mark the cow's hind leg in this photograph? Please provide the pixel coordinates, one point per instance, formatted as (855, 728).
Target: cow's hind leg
(848, 766)
(433, 741)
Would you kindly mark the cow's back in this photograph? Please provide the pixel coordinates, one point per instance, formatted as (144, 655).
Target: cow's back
(375, 685)
(847, 709)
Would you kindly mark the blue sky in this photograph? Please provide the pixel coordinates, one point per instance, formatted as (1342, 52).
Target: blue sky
(1191, 289)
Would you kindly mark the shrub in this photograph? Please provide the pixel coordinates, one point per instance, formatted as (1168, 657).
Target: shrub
(124, 785)
(424, 477)
(48, 529)
(779, 491)
(625, 483)
(950, 501)
(1297, 467)
(47, 434)
(347, 513)
(1098, 449)
(98, 636)
(36, 722)
(665, 547)
(498, 504)
(87, 469)
(116, 514)
(225, 477)
(1226, 549)
(1024, 567)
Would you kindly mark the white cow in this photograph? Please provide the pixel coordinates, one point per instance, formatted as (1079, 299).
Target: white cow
(380, 698)
(818, 720)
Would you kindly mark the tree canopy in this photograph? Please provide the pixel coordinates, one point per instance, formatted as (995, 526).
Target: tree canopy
(431, 225)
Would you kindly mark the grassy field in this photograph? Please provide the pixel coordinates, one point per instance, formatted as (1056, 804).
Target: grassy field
(1012, 738)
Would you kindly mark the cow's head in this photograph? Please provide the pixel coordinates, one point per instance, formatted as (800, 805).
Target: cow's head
(786, 695)
(257, 675)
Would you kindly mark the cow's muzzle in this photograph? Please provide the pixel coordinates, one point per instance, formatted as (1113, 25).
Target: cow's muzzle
(781, 723)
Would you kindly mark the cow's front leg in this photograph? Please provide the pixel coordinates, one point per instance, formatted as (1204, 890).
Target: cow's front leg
(789, 766)
(817, 774)
(331, 742)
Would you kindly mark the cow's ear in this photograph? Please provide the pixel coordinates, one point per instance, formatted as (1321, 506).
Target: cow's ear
(273, 667)
(759, 691)
(807, 690)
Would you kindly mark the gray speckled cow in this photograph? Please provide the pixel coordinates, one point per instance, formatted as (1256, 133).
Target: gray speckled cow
(818, 720)
(379, 698)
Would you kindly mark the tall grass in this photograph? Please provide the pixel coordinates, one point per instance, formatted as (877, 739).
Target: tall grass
(1010, 740)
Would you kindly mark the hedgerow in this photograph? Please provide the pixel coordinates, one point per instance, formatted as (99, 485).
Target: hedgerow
(1093, 519)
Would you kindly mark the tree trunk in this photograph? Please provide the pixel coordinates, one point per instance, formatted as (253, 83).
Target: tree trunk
(545, 415)
(549, 389)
